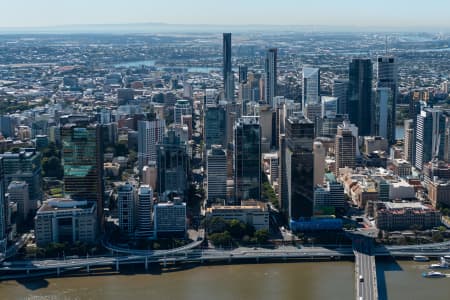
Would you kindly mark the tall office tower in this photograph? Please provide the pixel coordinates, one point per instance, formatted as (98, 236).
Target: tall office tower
(144, 228)
(173, 167)
(387, 78)
(313, 111)
(329, 106)
(311, 86)
(7, 126)
(345, 147)
(319, 163)
(340, 91)
(82, 158)
(243, 73)
(360, 105)
(327, 125)
(150, 175)
(210, 97)
(4, 208)
(182, 107)
(24, 166)
(382, 100)
(215, 125)
(126, 199)
(228, 80)
(283, 199)
(446, 157)
(216, 164)
(150, 134)
(299, 158)
(19, 195)
(265, 121)
(270, 83)
(409, 143)
(247, 159)
(430, 136)
(233, 113)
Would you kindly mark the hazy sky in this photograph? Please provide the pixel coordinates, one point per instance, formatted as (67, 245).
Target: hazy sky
(398, 13)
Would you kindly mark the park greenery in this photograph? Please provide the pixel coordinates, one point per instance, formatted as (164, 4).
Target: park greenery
(227, 233)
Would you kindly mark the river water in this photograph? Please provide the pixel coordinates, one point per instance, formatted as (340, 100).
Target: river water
(315, 281)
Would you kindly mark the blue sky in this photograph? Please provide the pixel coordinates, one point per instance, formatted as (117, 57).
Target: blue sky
(389, 13)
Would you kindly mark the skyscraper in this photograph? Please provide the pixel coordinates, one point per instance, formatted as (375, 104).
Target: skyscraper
(216, 164)
(172, 167)
(382, 99)
(215, 126)
(243, 72)
(247, 159)
(311, 86)
(299, 166)
(430, 136)
(144, 227)
(126, 206)
(340, 90)
(360, 105)
(228, 80)
(19, 195)
(3, 211)
(150, 133)
(82, 158)
(24, 166)
(387, 78)
(270, 84)
(409, 141)
(345, 147)
(182, 107)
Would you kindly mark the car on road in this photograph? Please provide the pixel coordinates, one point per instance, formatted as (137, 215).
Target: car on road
(361, 278)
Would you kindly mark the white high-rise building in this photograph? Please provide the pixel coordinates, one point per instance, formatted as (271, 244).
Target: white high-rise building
(181, 108)
(216, 165)
(144, 213)
(382, 97)
(126, 197)
(311, 86)
(150, 133)
(270, 83)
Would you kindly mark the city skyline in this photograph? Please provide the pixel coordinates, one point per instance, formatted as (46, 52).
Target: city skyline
(346, 13)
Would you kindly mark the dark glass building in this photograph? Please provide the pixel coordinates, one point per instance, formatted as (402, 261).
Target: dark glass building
(215, 125)
(172, 167)
(82, 159)
(359, 104)
(387, 78)
(270, 68)
(247, 159)
(228, 81)
(299, 166)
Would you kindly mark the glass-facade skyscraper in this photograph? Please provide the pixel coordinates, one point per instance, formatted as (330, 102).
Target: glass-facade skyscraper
(82, 158)
(247, 159)
(359, 105)
(270, 68)
(299, 164)
(172, 167)
(228, 80)
(387, 78)
(215, 126)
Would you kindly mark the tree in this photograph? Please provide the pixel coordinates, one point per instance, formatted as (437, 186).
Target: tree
(216, 225)
(52, 167)
(262, 236)
(237, 229)
(221, 239)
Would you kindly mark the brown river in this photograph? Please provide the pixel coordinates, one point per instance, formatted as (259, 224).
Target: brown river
(303, 280)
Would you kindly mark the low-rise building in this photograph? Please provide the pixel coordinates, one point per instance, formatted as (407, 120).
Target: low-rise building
(65, 220)
(255, 214)
(402, 216)
(401, 167)
(439, 193)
